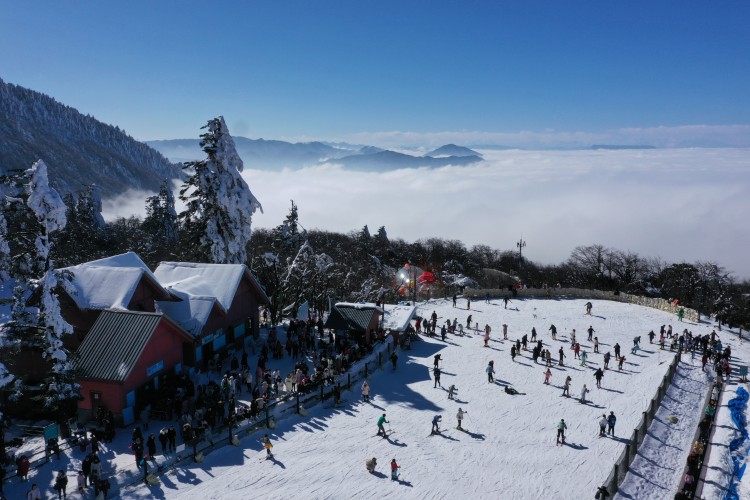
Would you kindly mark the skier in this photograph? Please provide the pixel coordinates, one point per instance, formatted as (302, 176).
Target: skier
(584, 391)
(436, 360)
(490, 372)
(602, 425)
(505, 301)
(591, 332)
(573, 338)
(436, 373)
(436, 424)
(589, 305)
(561, 431)
(524, 341)
(394, 469)
(505, 331)
(566, 386)
(366, 391)
(468, 322)
(617, 350)
(562, 355)
(547, 376)
(606, 360)
(553, 329)
(513, 352)
(460, 417)
(576, 351)
(451, 391)
(611, 421)
(370, 464)
(533, 334)
(651, 336)
(596, 345)
(602, 493)
(486, 335)
(267, 445)
(584, 357)
(394, 359)
(619, 365)
(381, 429)
(598, 374)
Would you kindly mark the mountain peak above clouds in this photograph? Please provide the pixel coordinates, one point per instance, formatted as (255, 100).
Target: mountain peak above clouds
(452, 150)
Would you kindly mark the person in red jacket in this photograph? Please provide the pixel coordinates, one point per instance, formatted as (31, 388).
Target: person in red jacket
(394, 470)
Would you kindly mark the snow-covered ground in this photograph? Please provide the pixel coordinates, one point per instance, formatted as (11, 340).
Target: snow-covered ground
(508, 448)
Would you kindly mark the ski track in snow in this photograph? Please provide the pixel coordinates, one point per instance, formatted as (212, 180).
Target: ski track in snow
(509, 448)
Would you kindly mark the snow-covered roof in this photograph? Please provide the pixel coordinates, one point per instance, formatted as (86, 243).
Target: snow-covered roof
(202, 280)
(109, 283)
(397, 317)
(191, 313)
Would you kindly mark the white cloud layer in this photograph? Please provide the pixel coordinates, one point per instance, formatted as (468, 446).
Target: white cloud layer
(679, 204)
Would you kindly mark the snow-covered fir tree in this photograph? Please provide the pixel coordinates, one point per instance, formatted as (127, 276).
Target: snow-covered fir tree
(37, 323)
(218, 203)
(160, 225)
(84, 237)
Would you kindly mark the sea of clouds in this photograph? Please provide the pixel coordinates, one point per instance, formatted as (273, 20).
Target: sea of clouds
(677, 204)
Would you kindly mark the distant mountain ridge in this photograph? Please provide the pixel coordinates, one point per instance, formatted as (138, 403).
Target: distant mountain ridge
(78, 149)
(262, 154)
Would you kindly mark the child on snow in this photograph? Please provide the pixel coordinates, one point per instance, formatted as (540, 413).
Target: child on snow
(436, 424)
(394, 470)
(460, 417)
(547, 375)
(370, 464)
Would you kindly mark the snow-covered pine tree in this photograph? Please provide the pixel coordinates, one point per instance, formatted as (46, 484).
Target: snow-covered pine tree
(160, 224)
(218, 203)
(84, 237)
(37, 323)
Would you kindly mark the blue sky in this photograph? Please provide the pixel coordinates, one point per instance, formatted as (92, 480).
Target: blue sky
(363, 70)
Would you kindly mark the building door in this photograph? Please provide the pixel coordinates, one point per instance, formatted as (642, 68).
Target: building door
(96, 403)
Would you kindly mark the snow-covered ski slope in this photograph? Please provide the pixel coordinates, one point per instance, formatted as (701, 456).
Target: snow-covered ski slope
(508, 449)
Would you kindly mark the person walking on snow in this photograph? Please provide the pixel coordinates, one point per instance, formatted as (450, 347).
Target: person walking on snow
(589, 306)
(584, 391)
(547, 376)
(460, 417)
(602, 425)
(468, 304)
(366, 391)
(584, 357)
(606, 360)
(394, 359)
(436, 424)
(561, 431)
(513, 352)
(370, 464)
(611, 421)
(486, 335)
(436, 373)
(596, 345)
(553, 329)
(576, 351)
(505, 331)
(490, 372)
(533, 334)
(562, 356)
(381, 429)
(566, 386)
(622, 361)
(651, 336)
(436, 360)
(394, 469)
(598, 374)
(451, 391)
(591, 332)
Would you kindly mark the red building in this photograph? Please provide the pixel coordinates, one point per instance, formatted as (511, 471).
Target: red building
(124, 352)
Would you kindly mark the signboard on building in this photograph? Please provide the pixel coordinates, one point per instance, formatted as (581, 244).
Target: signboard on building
(155, 368)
